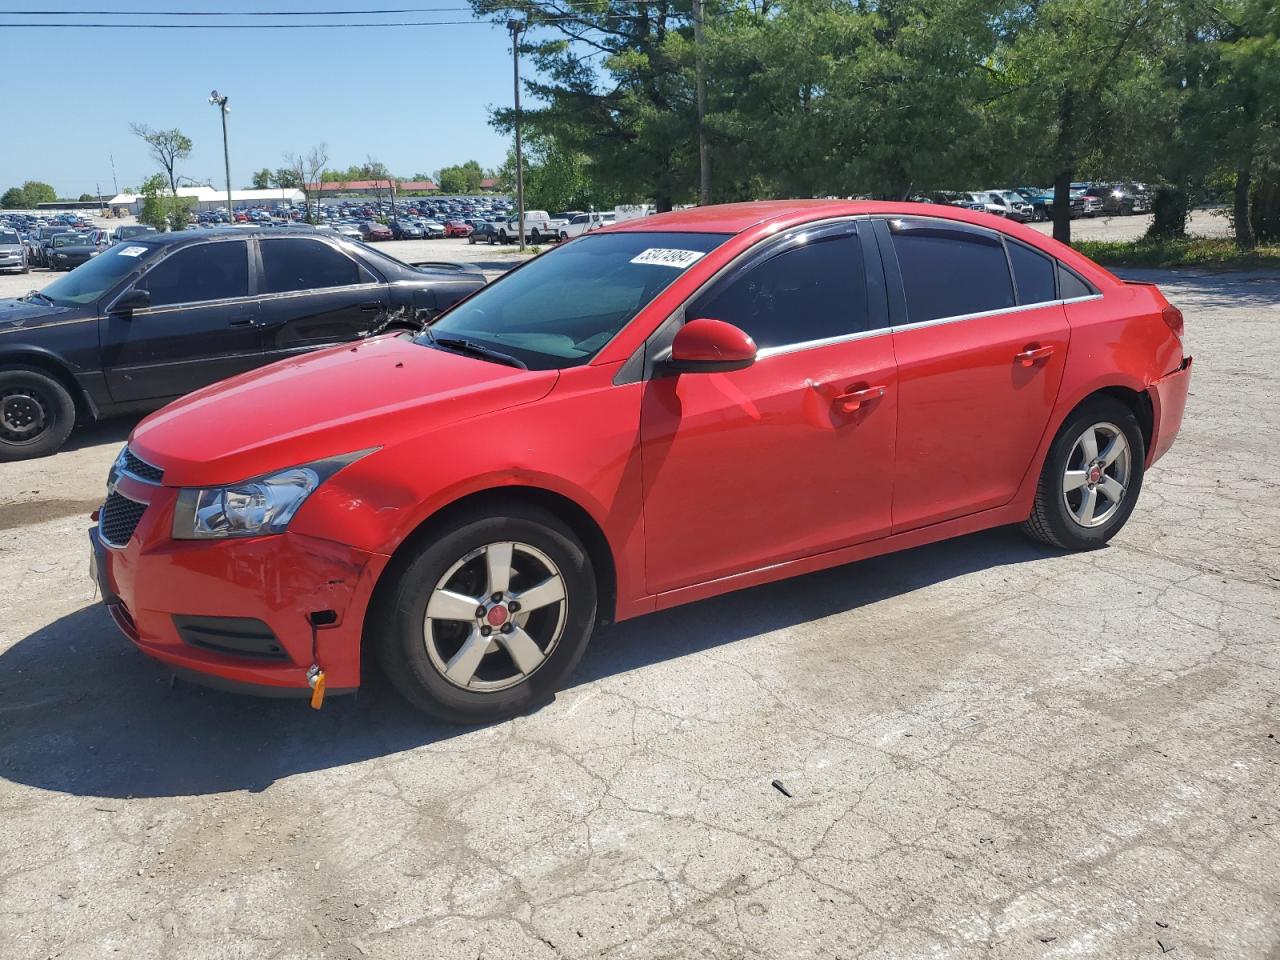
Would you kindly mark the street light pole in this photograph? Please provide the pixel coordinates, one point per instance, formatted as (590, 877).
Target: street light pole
(516, 26)
(221, 101)
(704, 151)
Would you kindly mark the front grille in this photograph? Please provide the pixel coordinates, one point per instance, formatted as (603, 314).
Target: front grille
(234, 636)
(119, 518)
(140, 468)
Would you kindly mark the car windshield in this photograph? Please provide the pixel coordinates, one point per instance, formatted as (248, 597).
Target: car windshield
(9, 236)
(560, 309)
(70, 240)
(89, 281)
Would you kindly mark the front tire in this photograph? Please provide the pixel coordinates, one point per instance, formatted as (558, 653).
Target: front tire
(37, 414)
(488, 617)
(1091, 478)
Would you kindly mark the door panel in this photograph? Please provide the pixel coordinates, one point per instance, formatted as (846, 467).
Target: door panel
(766, 464)
(793, 455)
(314, 296)
(179, 345)
(978, 373)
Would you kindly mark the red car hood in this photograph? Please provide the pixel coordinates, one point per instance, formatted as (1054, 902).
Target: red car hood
(330, 402)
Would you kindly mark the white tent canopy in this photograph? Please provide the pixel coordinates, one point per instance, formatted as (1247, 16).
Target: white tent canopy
(210, 198)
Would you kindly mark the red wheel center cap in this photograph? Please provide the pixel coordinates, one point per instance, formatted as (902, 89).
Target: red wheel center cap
(497, 616)
(1095, 473)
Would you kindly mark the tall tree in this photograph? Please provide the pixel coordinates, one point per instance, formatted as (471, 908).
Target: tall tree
(262, 179)
(168, 147)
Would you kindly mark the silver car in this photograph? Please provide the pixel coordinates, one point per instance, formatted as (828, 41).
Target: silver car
(13, 252)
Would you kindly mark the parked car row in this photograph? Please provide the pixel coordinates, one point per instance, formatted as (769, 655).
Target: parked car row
(1036, 203)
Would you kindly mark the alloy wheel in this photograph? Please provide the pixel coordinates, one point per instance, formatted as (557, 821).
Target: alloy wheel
(495, 616)
(1097, 474)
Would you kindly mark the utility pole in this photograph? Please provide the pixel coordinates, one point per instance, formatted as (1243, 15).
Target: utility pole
(704, 152)
(516, 26)
(221, 101)
(114, 182)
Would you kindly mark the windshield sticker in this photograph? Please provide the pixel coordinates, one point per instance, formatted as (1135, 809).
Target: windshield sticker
(132, 251)
(668, 258)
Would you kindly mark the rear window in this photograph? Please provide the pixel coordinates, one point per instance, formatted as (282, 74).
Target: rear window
(297, 264)
(950, 271)
(1033, 273)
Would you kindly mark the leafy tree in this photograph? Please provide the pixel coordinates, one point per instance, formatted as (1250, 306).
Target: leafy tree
(13, 199)
(262, 179)
(556, 179)
(86, 197)
(161, 209)
(286, 178)
(168, 147)
(35, 192)
(462, 178)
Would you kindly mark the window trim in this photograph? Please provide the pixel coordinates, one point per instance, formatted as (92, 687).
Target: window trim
(361, 270)
(190, 304)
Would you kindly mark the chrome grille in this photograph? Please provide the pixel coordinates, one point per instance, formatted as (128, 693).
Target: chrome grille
(140, 468)
(119, 518)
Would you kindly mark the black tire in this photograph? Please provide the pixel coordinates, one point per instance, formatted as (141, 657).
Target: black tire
(535, 237)
(1052, 520)
(502, 235)
(37, 414)
(398, 626)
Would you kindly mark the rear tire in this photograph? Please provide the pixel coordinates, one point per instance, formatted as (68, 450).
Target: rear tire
(428, 628)
(37, 414)
(1091, 478)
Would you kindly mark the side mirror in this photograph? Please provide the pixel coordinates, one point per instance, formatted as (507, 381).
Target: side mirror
(132, 299)
(710, 346)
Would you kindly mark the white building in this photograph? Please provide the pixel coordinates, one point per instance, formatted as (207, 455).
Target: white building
(210, 198)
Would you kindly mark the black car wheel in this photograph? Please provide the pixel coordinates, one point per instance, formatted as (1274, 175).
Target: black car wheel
(502, 235)
(1091, 477)
(36, 413)
(488, 617)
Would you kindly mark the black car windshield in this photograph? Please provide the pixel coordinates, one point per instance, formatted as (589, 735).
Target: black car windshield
(70, 240)
(562, 308)
(89, 281)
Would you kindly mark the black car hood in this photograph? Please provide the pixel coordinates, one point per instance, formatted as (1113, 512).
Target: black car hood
(79, 249)
(22, 314)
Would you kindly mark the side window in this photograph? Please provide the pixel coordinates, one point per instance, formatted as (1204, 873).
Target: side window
(1071, 286)
(950, 272)
(813, 288)
(206, 271)
(1033, 273)
(298, 264)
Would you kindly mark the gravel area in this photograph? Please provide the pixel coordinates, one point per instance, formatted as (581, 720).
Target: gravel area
(991, 750)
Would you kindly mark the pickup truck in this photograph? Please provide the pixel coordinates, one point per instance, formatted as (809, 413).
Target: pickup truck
(538, 226)
(584, 223)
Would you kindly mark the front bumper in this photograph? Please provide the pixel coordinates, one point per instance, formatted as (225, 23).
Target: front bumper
(1168, 401)
(153, 584)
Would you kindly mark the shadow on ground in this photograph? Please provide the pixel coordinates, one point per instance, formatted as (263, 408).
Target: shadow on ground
(82, 712)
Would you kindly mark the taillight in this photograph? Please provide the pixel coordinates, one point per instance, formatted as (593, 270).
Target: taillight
(1172, 317)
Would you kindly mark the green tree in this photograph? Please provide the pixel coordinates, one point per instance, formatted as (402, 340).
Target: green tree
(154, 211)
(86, 197)
(13, 199)
(168, 147)
(262, 179)
(461, 178)
(35, 192)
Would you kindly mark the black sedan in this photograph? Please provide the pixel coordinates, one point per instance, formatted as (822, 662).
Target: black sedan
(68, 250)
(153, 318)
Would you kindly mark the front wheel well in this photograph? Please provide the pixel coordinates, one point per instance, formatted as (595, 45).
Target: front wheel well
(38, 361)
(494, 500)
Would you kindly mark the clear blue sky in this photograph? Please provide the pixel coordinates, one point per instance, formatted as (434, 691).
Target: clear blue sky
(416, 98)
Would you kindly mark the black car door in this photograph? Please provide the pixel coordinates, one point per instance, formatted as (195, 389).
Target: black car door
(199, 329)
(314, 295)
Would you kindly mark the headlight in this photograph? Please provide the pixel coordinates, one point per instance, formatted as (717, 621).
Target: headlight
(61, 256)
(254, 508)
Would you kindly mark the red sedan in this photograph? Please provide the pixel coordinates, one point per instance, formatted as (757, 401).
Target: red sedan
(657, 412)
(456, 228)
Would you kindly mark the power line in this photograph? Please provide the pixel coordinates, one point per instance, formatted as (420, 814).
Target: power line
(272, 13)
(295, 26)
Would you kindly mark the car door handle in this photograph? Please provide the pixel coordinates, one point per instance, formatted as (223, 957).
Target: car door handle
(371, 306)
(242, 322)
(853, 400)
(1033, 355)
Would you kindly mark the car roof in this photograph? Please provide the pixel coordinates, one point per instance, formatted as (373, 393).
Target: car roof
(205, 233)
(738, 217)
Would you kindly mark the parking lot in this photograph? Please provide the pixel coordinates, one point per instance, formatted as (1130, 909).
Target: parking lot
(991, 749)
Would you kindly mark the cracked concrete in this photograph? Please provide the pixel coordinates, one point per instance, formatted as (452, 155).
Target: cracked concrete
(995, 750)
